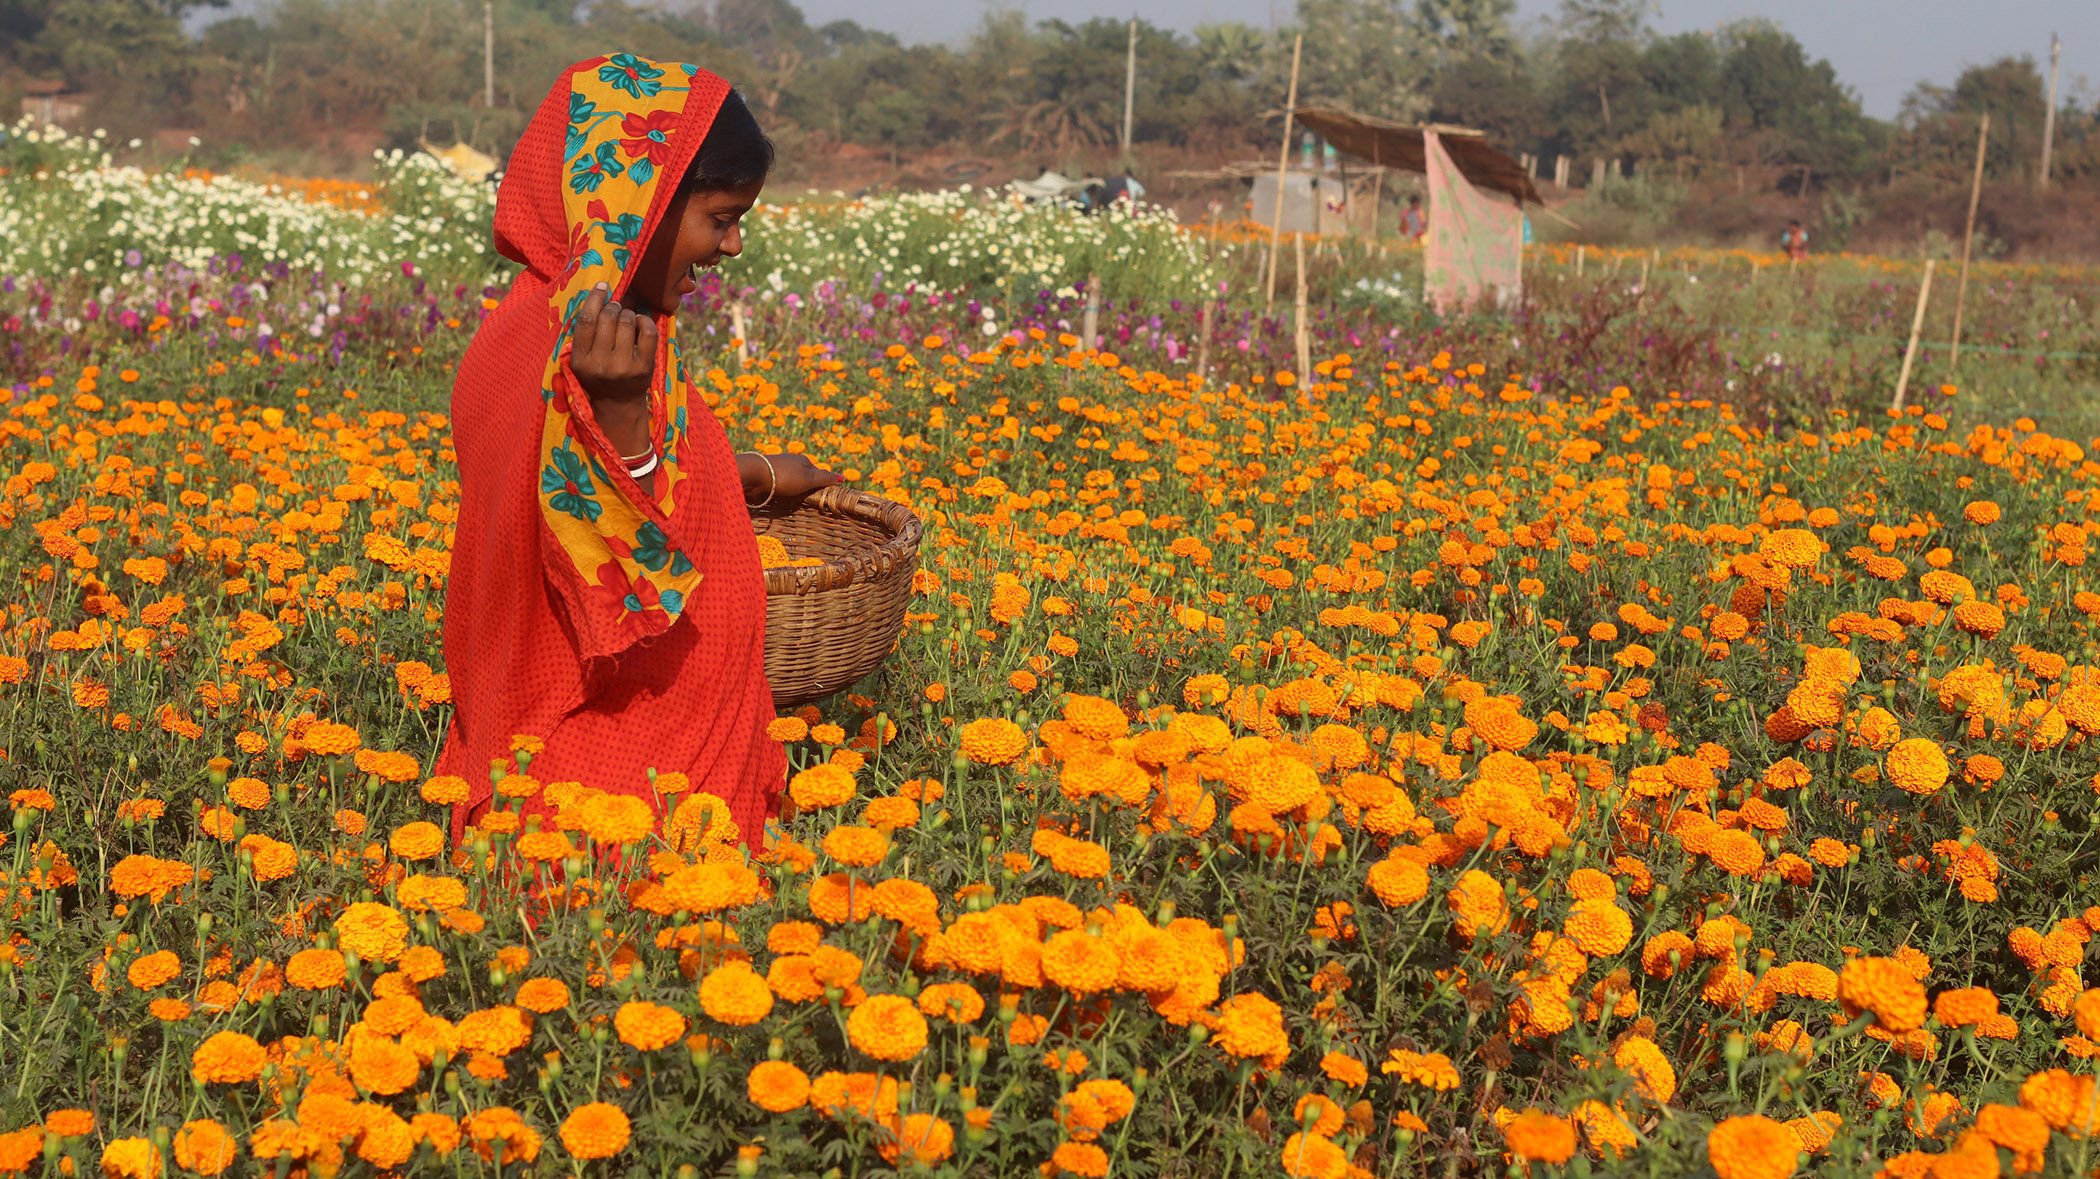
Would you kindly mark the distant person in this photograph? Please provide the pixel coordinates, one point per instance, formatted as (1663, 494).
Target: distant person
(1794, 241)
(1115, 188)
(606, 595)
(1413, 224)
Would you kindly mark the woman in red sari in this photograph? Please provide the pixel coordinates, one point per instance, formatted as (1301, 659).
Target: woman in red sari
(605, 594)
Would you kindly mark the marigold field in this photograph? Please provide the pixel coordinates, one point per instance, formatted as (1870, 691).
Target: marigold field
(1421, 770)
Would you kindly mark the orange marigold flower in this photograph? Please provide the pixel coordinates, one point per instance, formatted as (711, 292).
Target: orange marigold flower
(598, 1130)
(993, 741)
(648, 1026)
(1887, 989)
(1752, 1146)
(1918, 765)
(887, 1027)
(204, 1146)
(1538, 1136)
(227, 1057)
(777, 1086)
(735, 994)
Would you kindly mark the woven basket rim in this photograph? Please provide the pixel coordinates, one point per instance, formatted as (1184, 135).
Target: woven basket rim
(900, 549)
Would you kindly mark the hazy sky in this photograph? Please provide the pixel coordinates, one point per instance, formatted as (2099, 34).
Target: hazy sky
(1881, 48)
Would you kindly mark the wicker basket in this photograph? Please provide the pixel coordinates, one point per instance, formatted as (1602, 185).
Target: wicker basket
(828, 625)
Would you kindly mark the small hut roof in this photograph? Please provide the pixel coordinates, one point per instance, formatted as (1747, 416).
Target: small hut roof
(1399, 145)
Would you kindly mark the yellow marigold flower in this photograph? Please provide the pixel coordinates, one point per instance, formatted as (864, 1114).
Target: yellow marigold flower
(648, 1026)
(1752, 1146)
(1981, 511)
(598, 1130)
(887, 1027)
(614, 818)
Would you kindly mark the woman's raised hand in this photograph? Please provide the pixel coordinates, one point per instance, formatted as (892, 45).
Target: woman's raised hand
(612, 350)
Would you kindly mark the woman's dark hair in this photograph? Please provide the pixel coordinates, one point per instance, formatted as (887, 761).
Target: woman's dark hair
(735, 154)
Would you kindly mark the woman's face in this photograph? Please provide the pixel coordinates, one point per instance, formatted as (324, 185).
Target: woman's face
(699, 229)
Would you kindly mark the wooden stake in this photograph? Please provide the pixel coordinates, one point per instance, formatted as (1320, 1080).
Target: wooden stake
(1203, 341)
(1968, 235)
(1910, 351)
(1300, 335)
(1578, 260)
(1283, 162)
(1088, 332)
(1129, 89)
(2056, 49)
(736, 326)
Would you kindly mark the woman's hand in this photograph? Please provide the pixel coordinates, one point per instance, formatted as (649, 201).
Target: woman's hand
(791, 475)
(612, 351)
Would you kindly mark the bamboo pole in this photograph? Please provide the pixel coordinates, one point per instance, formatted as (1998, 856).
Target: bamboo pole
(1910, 351)
(1968, 237)
(1283, 162)
(737, 328)
(488, 53)
(1299, 334)
(1203, 342)
(2056, 49)
(1089, 329)
(1129, 89)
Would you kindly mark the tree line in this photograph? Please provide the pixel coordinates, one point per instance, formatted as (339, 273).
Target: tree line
(1595, 82)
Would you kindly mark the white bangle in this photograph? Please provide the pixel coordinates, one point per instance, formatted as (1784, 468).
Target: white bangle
(772, 481)
(645, 468)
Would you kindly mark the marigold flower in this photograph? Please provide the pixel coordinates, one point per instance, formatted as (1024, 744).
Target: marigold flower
(131, 1158)
(734, 994)
(315, 970)
(1312, 1155)
(1752, 1146)
(543, 995)
(777, 1086)
(69, 1123)
(820, 786)
(226, 1057)
(887, 1027)
(1080, 962)
(151, 970)
(416, 841)
(1538, 1136)
(445, 790)
(1917, 765)
(372, 931)
(1885, 988)
(598, 1130)
(204, 1147)
(917, 1138)
(648, 1026)
(993, 741)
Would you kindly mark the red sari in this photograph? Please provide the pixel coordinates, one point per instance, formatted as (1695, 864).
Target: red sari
(624, 629)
